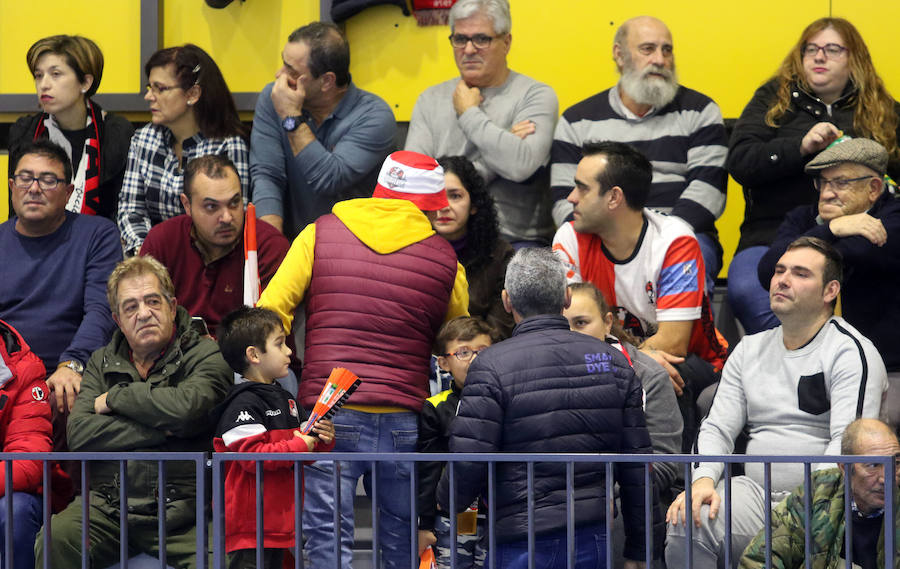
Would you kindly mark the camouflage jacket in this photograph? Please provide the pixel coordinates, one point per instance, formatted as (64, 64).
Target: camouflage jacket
(827, 526)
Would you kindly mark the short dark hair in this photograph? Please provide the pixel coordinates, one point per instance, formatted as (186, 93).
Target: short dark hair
(328, 50)
(244, 327)
(463, 328)
(834, 261)
(210, 165)
(44, 147)
(626, 167)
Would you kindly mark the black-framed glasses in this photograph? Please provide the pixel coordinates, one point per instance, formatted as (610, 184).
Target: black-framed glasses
(465, 354)
(46, 182)
(480, 41)
(839, 184)
(831, 50)
(157, 89)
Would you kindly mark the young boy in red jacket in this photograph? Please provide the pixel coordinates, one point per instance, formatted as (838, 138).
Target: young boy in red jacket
(260, 416)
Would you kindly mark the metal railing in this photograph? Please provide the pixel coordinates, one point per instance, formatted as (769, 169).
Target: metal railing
(202, 464)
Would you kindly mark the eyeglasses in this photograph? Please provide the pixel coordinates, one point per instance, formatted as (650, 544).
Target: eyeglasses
(839, 184)
(465, 354)
(480, 41)
(158, 89)
(831, 50)
(46, 182)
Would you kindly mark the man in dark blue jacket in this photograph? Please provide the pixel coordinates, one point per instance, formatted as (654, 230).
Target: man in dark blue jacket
(548, 389)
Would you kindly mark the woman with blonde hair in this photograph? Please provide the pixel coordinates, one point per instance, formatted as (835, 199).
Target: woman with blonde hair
(826, 87)
(192, 113)
(67, 72)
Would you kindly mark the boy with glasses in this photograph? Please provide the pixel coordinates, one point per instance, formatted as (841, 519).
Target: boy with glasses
(457, 344)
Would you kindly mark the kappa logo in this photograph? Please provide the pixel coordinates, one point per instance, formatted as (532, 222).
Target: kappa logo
(396, 177)
(244, 416)
(273, 412)
(37, 393)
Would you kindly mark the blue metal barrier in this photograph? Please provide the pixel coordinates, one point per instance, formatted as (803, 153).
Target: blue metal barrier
(605, 462)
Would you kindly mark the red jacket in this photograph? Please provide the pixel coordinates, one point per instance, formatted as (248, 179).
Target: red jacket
(24, 410)
(257, 417)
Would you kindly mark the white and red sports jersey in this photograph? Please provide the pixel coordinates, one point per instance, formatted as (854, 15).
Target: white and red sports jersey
(662, 281)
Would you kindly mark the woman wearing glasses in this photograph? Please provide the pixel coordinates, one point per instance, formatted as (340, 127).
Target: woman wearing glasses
(192, 114)
(826, 87)
(67, 72)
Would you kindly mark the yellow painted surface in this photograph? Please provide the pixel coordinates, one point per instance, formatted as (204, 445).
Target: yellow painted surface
(244, 38)
(113, 24)
(723, 50)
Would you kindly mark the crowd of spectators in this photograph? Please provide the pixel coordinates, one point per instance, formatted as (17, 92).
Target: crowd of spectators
(558, 268)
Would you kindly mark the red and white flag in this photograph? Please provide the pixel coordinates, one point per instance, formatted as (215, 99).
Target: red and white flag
(251, 266)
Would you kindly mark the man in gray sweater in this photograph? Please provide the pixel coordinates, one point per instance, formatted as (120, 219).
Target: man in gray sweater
(795, 388)
(500, 120)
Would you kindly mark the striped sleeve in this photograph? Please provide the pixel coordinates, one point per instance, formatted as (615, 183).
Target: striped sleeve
(680, 285)
(564, 156)
(703, 200)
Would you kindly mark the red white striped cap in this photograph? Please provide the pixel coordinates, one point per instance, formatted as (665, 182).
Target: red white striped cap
(414, 177)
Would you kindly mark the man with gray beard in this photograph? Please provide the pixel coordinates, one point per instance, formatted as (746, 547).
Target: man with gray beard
(679, 130)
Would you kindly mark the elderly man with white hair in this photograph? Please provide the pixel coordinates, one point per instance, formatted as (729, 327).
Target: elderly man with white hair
(499, 119)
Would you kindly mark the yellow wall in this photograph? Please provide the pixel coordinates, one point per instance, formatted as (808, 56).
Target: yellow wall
(723, 50)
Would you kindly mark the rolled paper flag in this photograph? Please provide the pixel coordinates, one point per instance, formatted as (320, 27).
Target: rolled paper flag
(251, 265)
(340, 384)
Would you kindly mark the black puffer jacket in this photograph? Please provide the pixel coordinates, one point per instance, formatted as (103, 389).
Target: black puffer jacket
(548, 389)
(767, 162)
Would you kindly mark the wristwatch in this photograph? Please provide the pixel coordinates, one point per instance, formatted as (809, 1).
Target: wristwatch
(73, 365)
(290, 124)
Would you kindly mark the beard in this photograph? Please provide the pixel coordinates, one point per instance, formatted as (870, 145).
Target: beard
(646, 90)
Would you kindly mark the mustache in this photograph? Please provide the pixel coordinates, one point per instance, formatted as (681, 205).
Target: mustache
(656, 70)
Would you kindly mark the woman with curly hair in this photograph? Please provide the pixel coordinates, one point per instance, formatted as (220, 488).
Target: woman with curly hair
(67, 72)
(192, 114)
(470, 225)
(825, 88)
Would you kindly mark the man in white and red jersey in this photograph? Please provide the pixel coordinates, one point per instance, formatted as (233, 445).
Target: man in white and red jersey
(648, 265)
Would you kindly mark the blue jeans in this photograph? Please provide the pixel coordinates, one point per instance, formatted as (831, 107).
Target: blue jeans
(748, 299)
(362, 432)
(551, 551)
(27, 513)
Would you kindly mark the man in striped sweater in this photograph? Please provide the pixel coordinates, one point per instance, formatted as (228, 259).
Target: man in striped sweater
(679, 130)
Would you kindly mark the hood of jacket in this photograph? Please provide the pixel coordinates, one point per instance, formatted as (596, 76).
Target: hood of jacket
(384, 225)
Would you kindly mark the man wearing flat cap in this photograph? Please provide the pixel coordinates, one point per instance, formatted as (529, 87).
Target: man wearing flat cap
(859, 215)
